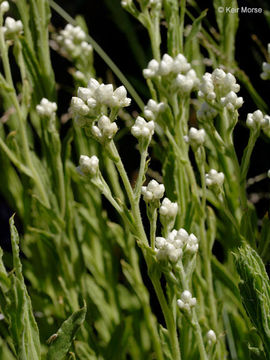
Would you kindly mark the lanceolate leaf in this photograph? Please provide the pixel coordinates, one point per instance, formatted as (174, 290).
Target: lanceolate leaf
(22, 324)
(63, 339)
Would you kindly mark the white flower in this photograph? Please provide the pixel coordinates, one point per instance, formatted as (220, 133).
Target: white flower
(151, 69)
(46, 108)
(180, 64)
(153, 109)
(195, 137)
(12, 27)
(153, 191)
(214, 178)
(167, 66)
(88, 165)
(72, 41)
(4, 7)
(192, 244)
(171, 248)
(187, 301)
(78, 106)
(257, 120)
(105, 129)
(186, 83)
(90, 98)
(218, 76)
(143, 129)
(206, 89)
(168, 209)
(120, 97)
(265, 75)
(231, 101)
(211, 337)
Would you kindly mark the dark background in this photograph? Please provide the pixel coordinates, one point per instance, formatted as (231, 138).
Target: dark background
(129, 49)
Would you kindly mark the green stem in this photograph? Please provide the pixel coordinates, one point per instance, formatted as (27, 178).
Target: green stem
(168, 315)
(193, 316)
(139, 181)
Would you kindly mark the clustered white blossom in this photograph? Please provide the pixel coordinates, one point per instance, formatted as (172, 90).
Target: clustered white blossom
(143, 129)
(195, 137)
(214, 178)
(105, 129)
(153, 191)
(265, 75)
(11, 26)
(219, 88)
(171, 248)
(72, 41)
(177, 69)
(88, 165)
(46, 108)
(186, 302)
(168, 208)
(86, 105)
(153, 109)
(211, 337)
(257, 120)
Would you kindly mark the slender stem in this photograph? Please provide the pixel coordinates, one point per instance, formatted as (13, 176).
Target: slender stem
(193, 315)
(153, 226)
(139, 181)
(168, 315)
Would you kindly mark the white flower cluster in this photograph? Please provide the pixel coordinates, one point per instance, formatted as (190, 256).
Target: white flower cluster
(168, 208)
(72, 41)
(222, 88)
(187, 301)
(257, 120)
(185, 78)
(4, 7)
(46, 108)
(211, 337)
(214, 178)
(12, 27)
(265, 75)
(105, 129)
(173, 246)
(88, 165)
(88, 100)
(143, 129)
(153, 191)
(153, 109)
(195, 137)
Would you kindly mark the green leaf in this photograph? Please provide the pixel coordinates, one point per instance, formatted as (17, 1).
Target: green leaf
(255, 291)
(63, 338)
(22, 324)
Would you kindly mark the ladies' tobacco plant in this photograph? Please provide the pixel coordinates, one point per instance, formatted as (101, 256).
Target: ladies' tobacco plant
(100, 250)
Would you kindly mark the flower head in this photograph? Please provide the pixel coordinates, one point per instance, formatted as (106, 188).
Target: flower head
(46, 108)
(153, 191)
(186, 302)
(88, 165)
(214, 178)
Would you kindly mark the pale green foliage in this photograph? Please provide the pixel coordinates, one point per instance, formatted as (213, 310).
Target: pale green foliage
(97, 267)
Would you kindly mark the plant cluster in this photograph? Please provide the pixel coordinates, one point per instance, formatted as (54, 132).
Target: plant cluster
(99, 248)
